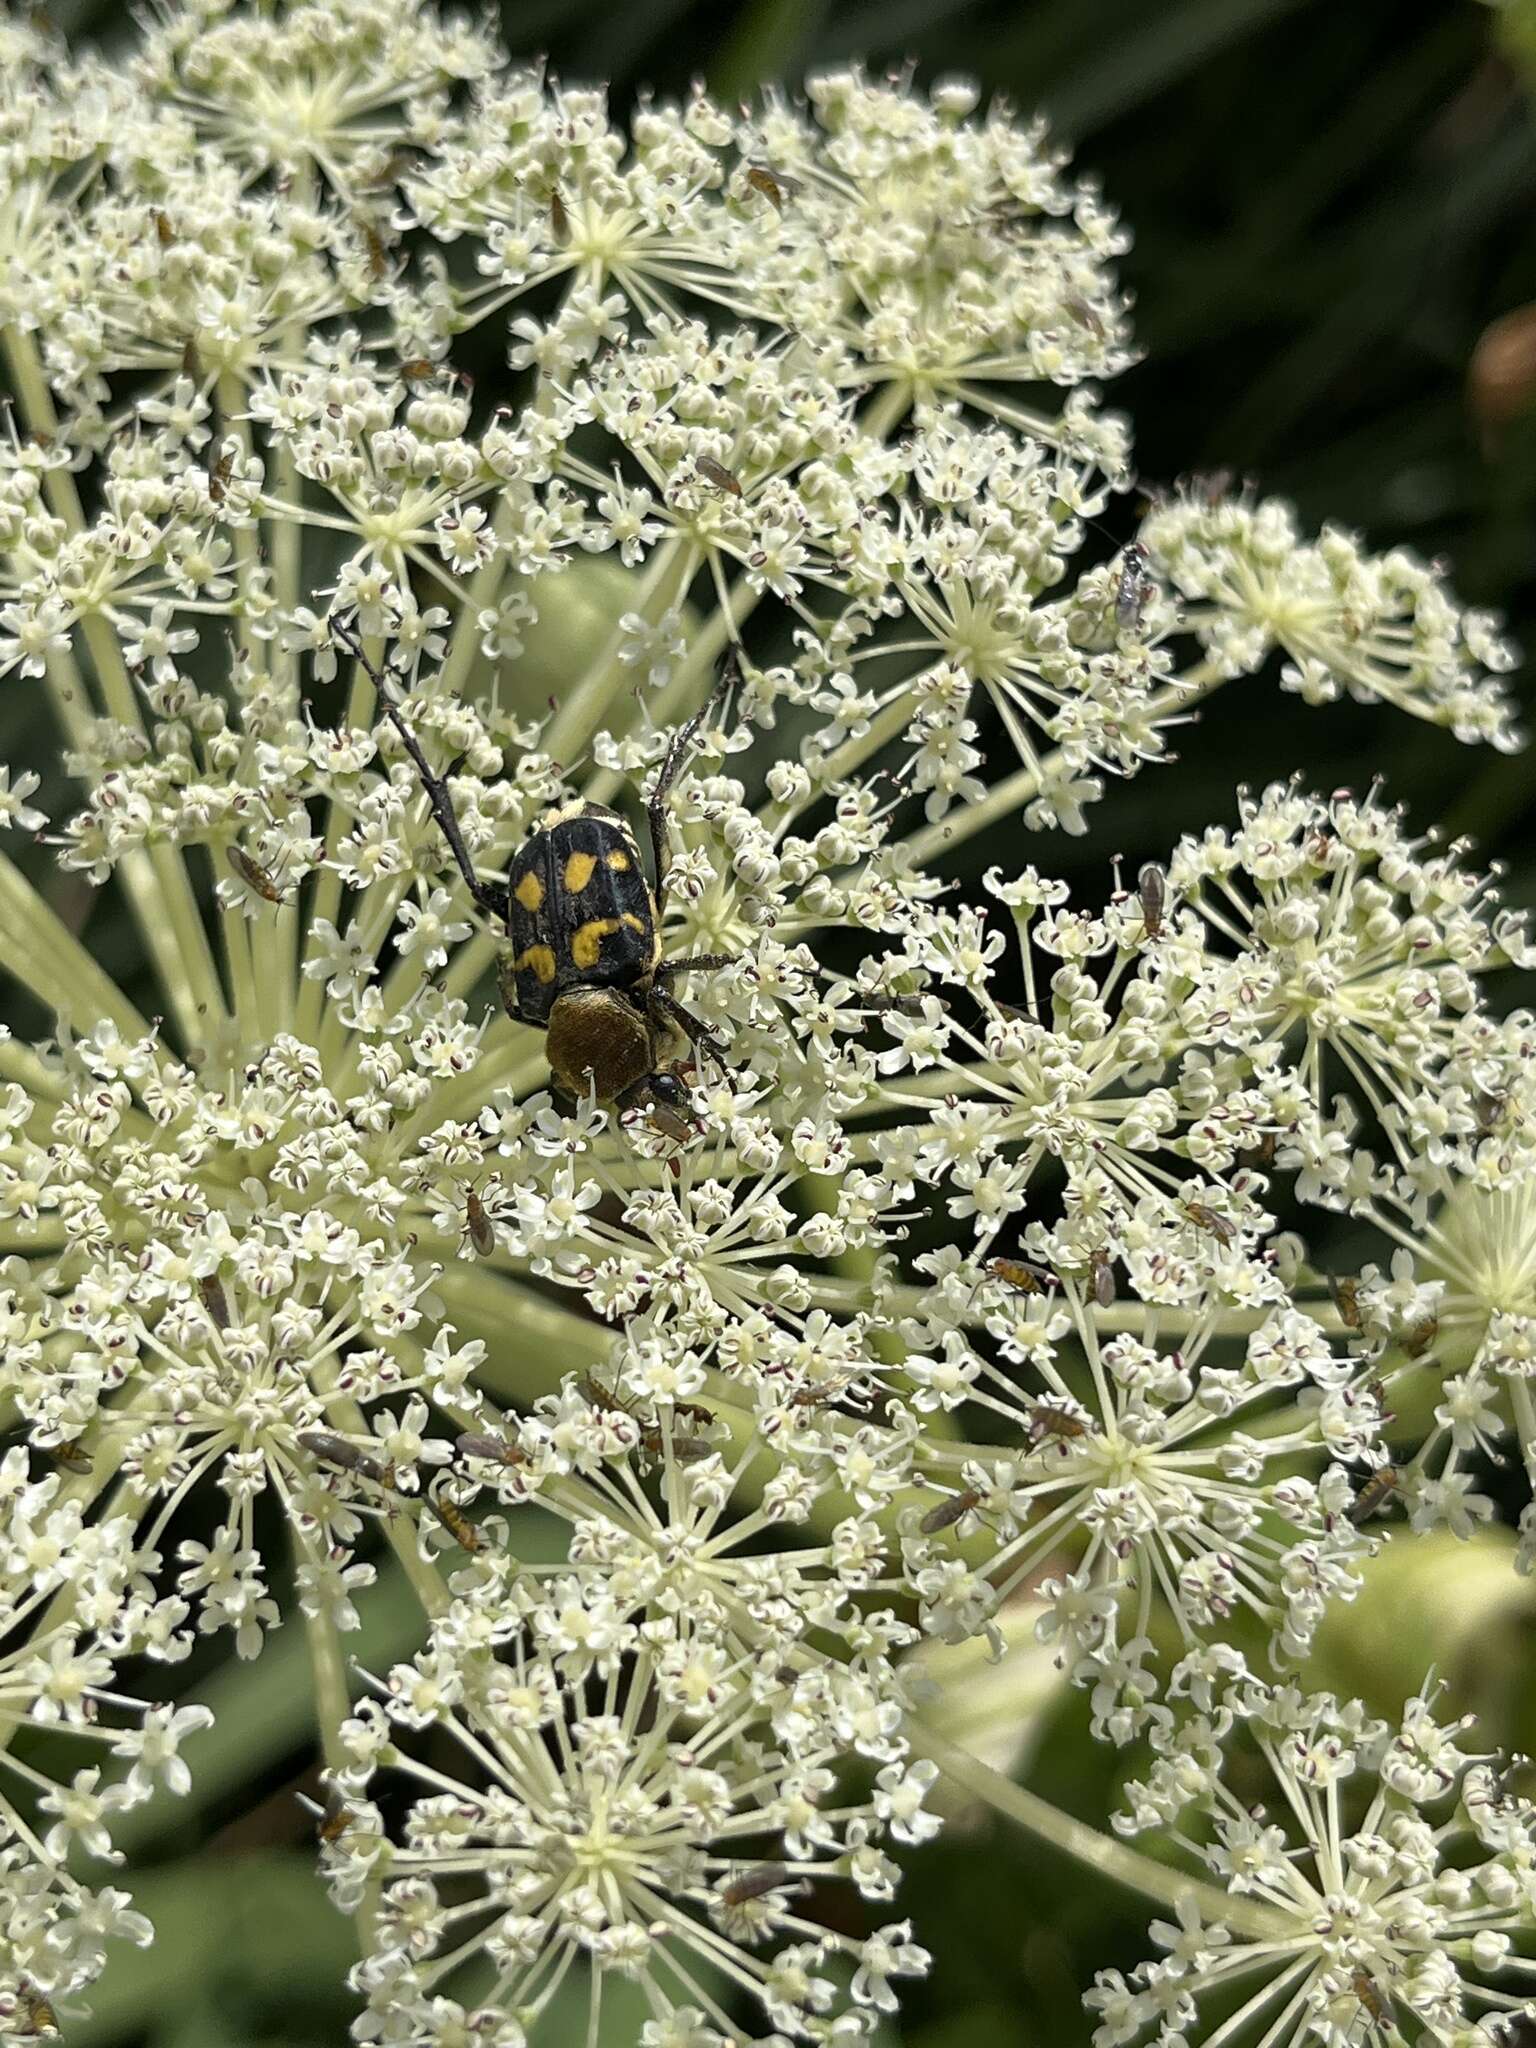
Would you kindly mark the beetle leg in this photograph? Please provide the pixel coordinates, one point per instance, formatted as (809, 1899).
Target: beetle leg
(674, 760)
(491, 901)
(687, 962)
(694, 1029)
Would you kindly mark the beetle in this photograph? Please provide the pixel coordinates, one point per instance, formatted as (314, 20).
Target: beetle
(583, 960)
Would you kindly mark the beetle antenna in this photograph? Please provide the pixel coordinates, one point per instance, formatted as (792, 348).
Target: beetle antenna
(673, 761)
(491, 902)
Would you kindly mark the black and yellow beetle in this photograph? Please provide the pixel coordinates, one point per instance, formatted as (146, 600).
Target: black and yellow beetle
(583, 961)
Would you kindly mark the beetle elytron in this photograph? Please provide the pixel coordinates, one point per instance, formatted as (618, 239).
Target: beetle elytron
(583, 961)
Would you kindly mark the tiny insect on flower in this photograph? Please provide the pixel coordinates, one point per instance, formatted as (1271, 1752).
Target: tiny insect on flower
(1101, 1266)
(773, 185)
(42, 2019)
(1047, 1421)
(337, 1818)
(1132, 588)
(478, 1226)
(950, 1511)
(256, 877)
(662, 1443)
(694, 1413)
(753, 1884)
(456, 1522)
(1151, 892)
(1208, 1219)
(1022, 1275)
(1423, 1334)
(335, 1450)
(1345, 1289)
(498, 1450)
(1375, 1493)
(716, 473)
(1370, 1997)
(210, 1289)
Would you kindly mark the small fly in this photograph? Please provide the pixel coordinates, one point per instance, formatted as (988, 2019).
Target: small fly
(1102, 1268)
(1205, 1218)
(1132, 588)
(753, 1884)
(950, 1511)
(1375, 1494)
(496, 1450)
(478, 1227)
(717, 475)
(210, 1292)
(1058, 1423)
(773, 185)
(1021, 1275)
(260, 880)
(1152, 895)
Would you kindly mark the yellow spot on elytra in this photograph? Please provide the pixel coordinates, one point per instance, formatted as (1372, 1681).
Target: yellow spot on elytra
(619, 862)
(578, 871)
(529, 891)
(539, 959)
(587, 942)
(636, 924)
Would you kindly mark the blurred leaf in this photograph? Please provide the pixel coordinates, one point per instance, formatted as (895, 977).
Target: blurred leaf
(619, 36)
(994, 2026)
(769, 41)
(228, 1932)
(995, 1705)
(1164, 44)
(198, 2024)
(1433, 1603)
(890, 24)
(265, 1709)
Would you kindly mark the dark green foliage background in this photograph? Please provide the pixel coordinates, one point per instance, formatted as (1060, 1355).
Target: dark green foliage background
(1330, 203)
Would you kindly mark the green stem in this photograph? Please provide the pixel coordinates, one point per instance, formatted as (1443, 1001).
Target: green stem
(273, 937)
(50, 963)
(333, 1701)
(1103, 1854)
(888, 409)
(570, 732)
(1014, 791)
(326, 903)
(157, 886)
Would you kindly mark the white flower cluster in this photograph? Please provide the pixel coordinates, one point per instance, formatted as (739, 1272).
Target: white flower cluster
(956, 1275)
(77, 1596)
(1382, 1881)
(649, 1803)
